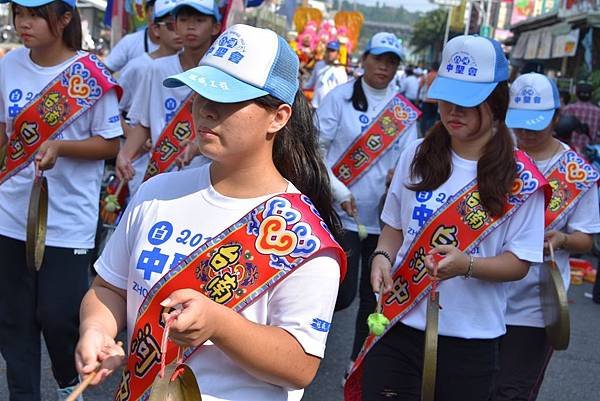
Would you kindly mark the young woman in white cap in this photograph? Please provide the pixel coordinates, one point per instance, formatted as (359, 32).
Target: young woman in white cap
(344, 116)
(59, 112)
(157, 111)
(255, 244)
(163, 27)
(571, 216)
(464, 200)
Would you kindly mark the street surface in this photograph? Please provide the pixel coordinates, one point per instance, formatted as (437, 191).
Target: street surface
(572, 374)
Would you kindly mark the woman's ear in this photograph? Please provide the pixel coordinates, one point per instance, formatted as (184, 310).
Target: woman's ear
(65, 19)
(280, 118)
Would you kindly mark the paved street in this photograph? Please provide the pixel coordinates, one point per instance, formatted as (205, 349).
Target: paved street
(572, 375)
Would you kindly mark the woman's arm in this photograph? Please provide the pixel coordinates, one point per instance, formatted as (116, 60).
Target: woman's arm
(576, 242)
(93, 148)
(102, 315)
(453, 262)
(268, 353)
(389, 242)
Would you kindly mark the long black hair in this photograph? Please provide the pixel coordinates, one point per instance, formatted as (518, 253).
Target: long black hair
(297, 157)
(52, 13)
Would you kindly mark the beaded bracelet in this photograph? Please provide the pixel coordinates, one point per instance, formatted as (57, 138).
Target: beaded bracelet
(382, 253)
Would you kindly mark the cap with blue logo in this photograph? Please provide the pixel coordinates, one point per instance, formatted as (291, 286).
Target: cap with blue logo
(244, 63)
(470, 70)
(162, 8)
(533, 102)
(333, 45)
(38, 3)
(384, 42)
(208, 7)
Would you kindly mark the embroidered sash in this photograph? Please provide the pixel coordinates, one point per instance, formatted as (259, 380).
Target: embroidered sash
(58, 105)
(395, 119)
(570, 178)
(234, 268)
(461, 221)
(168, 146)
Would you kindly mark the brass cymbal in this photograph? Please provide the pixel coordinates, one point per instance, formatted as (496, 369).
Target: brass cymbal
(178, 384)
(431, 347)
(555, 306)
(37, 219)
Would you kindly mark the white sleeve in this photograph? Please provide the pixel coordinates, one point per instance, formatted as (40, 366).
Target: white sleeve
(106, 120)
(586, 216)
(340, 192)
(327, 117)
(113, 263)
(391, 213)
(303, 303)
(139, 112)
(525, 233)
(119, 55)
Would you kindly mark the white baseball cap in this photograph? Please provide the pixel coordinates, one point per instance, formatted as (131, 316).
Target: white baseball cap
(471, 68)
(208, 7)
(244, 63)
(533, 102)
(162, 8)
(385, 42)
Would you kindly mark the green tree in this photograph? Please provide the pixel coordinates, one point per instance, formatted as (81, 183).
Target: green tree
(428, 32)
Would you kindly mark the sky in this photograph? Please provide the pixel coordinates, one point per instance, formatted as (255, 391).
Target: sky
(412, 5)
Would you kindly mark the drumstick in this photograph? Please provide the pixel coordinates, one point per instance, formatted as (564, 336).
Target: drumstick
(119, 188)
(380, 298)
(86, 382)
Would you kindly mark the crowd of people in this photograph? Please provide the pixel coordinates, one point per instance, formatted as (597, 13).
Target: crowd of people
(253, 215)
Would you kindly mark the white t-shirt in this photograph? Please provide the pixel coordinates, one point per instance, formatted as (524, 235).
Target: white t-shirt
(472, 308)
(324, 78)
(73, 184)
(410, 87)
(128, 48)
(340, 125)
(130, 77)
(173, 214)
(524, 306)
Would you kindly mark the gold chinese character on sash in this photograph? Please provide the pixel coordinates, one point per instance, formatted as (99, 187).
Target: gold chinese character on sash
(123, 393)
(388, 126)
(182, 130)
(417, 263)
(152, 169)
(444, 235)
(16, 149)
(53, 108)
(473, 200)
(167, 149)
(29, 132)
(221, 288)
(146, 349)
(399, 292)
(344, 172)
(360, 157)
(558, 195)
(374, 143)
(473, 212)
(225, 256)
(476, 218)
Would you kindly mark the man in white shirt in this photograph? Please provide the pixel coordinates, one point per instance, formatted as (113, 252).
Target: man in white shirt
(327, 74)
(410, 85)
(134, 44)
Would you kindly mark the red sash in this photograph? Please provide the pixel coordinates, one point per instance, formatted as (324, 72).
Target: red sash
(570, 178)
(168, 146)
(73, 92)
(395, 119)
(234, 268)
(462, 222)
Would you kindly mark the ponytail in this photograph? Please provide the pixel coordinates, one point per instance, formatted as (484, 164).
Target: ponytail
(297, 157)
(359, 99)
(496, 168)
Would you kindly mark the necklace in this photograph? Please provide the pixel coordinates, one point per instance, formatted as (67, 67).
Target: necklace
(556, 150)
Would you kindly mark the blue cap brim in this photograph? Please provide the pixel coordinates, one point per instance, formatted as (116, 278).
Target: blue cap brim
(376, 51)
(36, 3)
(199, 8)
(535, 120)
(215, 85)
(462, 93)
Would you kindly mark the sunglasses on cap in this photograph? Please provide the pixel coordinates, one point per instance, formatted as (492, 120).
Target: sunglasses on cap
(170, 25)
